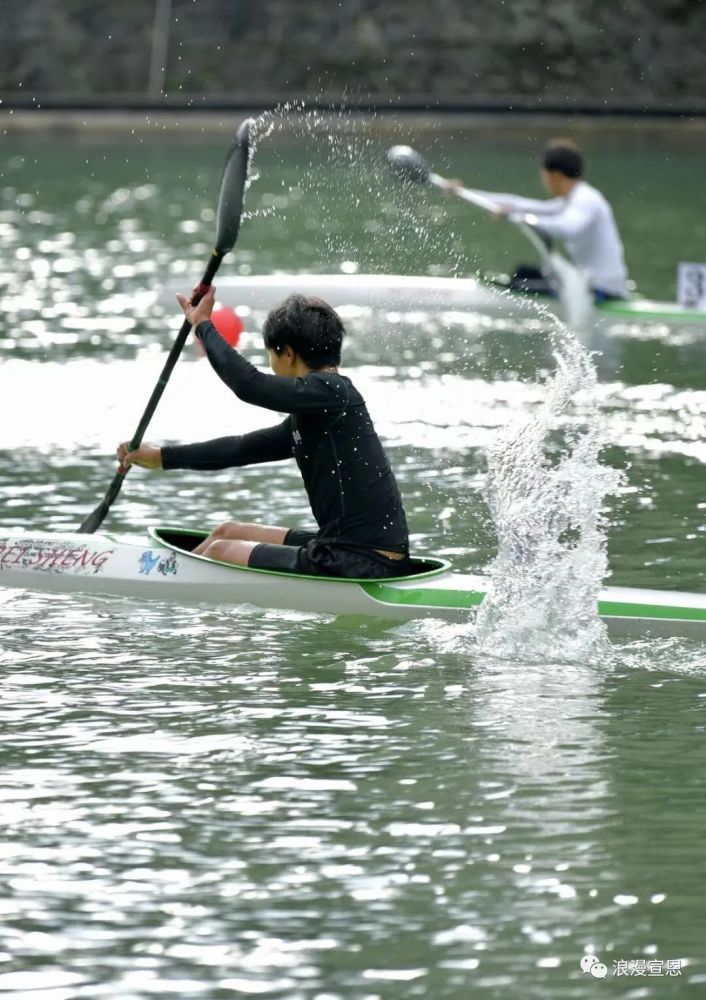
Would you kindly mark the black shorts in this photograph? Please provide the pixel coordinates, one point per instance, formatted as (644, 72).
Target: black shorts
(303, 552)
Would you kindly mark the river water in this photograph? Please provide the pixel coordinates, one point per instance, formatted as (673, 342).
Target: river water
(216, 803)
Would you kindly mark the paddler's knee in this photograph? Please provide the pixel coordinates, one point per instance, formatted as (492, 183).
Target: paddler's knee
(236, 551)
(231, 529)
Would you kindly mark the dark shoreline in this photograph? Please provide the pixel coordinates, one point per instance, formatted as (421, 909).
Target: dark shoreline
(377, 104)
(19, 115)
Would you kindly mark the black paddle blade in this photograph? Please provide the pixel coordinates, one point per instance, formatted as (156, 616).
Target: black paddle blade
(228, 214)
(92, 523)
(230, 199)
(408, 164)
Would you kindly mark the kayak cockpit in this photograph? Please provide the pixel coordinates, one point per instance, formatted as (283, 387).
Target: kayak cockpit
(185, 540)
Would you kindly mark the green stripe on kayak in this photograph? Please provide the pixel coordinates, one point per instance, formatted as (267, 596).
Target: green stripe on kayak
(439, 598)
(636, 310)
(432, 597)
(616, 609)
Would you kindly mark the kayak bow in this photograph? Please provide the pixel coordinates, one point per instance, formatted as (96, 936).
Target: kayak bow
(160, 565)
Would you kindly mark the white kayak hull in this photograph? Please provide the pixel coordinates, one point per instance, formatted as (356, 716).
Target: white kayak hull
(420, 293)
(160, 566)
(381, 292)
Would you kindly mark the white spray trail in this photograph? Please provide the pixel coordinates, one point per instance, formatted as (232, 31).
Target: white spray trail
(547, 510)
(545, 489)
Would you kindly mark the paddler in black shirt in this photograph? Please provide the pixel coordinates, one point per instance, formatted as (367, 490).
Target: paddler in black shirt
(362, 529)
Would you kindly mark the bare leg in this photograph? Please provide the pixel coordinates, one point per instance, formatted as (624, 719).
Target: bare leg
(242, 532)
(233, 551)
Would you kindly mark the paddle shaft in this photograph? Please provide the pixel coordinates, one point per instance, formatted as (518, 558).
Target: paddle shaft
(97, 516)
(481, 201)
(572, 290)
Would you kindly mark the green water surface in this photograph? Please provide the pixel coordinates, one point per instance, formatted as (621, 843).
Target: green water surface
(214, 803)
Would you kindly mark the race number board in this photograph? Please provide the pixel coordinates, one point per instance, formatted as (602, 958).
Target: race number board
(691, 285)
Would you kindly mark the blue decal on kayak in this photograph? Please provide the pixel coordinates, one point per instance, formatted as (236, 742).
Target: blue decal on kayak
(148, 561)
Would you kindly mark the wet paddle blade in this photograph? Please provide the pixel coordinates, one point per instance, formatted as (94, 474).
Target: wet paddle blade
(408, 164)
(228, 215)
(232, 193)
(94, 520)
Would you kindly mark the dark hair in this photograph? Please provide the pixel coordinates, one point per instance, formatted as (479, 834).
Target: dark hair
(309, 326)
(564, 157)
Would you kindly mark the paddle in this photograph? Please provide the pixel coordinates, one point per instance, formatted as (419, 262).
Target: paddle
(410, 165)
(573, 291)
(228, 216)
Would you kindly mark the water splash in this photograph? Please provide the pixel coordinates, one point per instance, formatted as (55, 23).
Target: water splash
(545, 489)
(545, 485)
(333, 171)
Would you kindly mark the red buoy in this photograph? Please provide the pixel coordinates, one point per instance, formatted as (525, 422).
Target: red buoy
(228, 324)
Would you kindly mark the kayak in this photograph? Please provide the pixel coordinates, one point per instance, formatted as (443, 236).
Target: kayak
(411, 293)
(161, 565)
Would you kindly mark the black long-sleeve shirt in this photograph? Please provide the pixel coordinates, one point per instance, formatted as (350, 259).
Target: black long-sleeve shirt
(351, 487)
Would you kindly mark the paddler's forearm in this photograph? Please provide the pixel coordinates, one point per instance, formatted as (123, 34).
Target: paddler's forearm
(518, 203)
(271, 444)
(221, 453)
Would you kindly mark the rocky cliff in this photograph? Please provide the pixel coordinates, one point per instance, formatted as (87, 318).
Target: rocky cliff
(648, 51)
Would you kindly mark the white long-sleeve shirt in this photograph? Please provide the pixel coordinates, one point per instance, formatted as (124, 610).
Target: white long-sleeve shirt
(585, 222)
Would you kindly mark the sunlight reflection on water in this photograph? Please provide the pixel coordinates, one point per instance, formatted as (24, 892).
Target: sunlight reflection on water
(208, 801)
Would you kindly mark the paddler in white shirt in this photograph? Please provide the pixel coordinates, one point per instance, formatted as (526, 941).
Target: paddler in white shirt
(578, 215)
